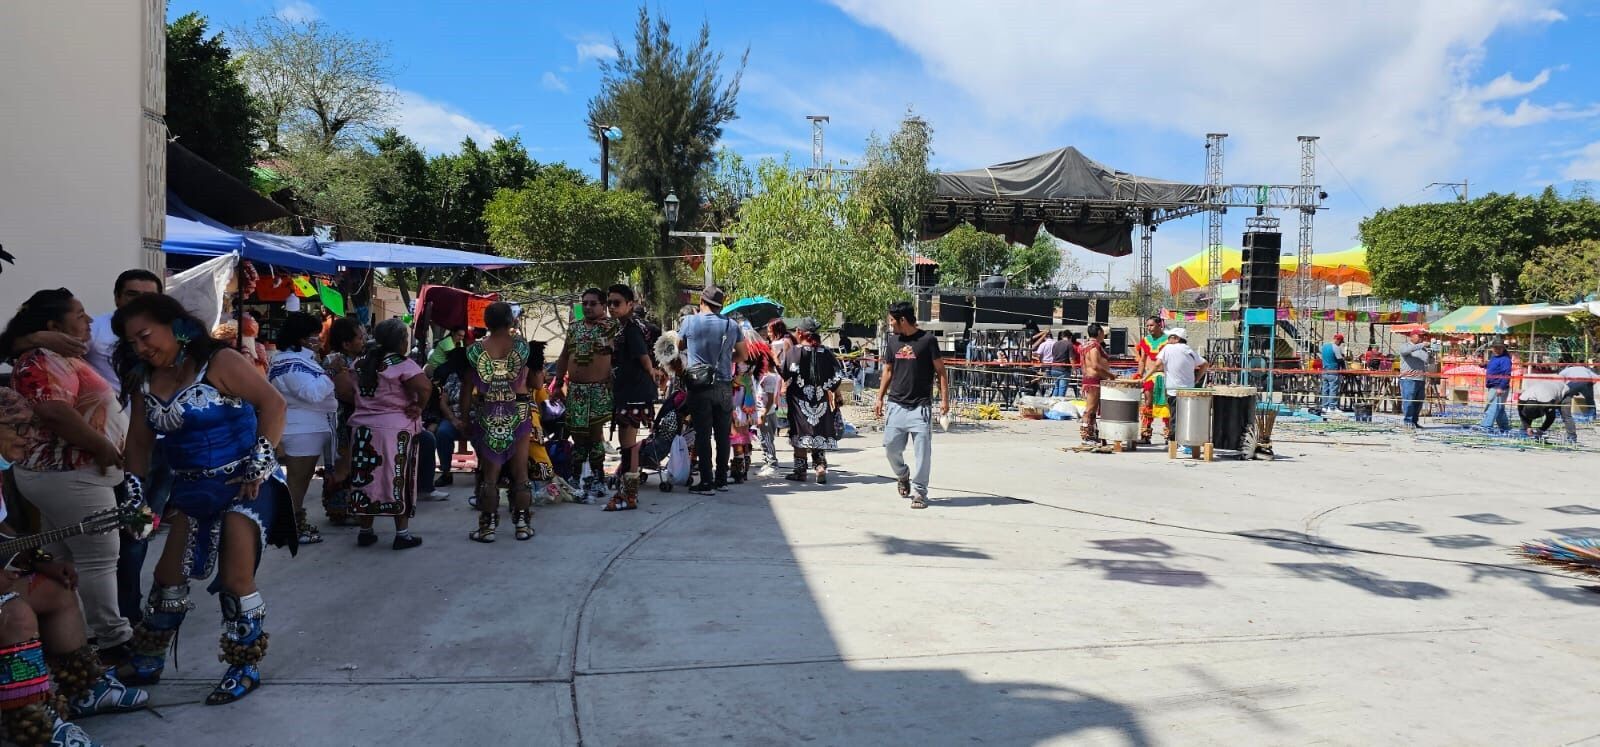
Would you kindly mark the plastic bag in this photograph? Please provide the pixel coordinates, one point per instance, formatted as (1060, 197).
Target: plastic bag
(678, 465)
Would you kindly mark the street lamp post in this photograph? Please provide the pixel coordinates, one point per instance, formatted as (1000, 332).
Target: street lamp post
(669, 208)
(607, 134)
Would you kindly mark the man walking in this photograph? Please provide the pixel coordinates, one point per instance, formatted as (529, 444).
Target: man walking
(711, 345)
(1414, 359)
(911, 362)
(1497, 386)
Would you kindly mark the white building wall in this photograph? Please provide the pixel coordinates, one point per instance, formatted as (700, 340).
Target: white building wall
(82, 164)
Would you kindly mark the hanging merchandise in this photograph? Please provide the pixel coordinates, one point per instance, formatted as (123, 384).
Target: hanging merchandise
(332, 299)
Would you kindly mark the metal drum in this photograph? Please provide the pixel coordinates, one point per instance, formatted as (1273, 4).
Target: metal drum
(1119, 410)
(1233, 416)
(1191, 416)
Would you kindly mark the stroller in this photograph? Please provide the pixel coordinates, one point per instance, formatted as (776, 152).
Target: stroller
(668, 425)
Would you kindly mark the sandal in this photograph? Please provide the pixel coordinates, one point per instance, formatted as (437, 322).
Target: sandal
(487, 523)
(903, 484)
(822, 475)
(919, 502)
(523, 521)
(308, 533)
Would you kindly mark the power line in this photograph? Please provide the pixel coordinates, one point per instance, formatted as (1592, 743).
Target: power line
(1343, 178)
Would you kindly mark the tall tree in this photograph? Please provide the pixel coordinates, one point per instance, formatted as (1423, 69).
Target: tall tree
(318, 86)
(966, 254)
(670, 102)
(556, 219)
(1035, 265)
(723, 187)
(895, 179)
(405, 205)
(209, 108)
(817, 251)
(1563, 273)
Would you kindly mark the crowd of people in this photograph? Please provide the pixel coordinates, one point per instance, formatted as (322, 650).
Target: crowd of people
(146, 415)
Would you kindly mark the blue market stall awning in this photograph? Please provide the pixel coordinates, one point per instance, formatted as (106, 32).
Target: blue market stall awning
(191, 233)
(375, 254)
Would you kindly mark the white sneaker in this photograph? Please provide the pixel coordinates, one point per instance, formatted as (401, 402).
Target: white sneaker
(767, 471)
(439, 495)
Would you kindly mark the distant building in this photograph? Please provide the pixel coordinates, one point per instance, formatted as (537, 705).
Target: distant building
(82, 144)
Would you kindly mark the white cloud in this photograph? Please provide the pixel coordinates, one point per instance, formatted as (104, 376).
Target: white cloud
(603, 51)
(1385, 85)
(436, 126)
(552, 82)
(297, 11)
(1585, 164)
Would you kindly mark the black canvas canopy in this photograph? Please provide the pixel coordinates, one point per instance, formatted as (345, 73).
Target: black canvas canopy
(1074, 197)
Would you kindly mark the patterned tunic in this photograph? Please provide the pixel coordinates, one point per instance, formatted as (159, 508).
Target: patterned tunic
(500, 416)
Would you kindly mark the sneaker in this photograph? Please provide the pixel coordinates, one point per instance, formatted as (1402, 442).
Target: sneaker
(445, 480)
(439, 495)
(406, 542)
(767, 471)
(68, 733)
(702, 489)
(366, 539)
(721, 486)
(109, 695)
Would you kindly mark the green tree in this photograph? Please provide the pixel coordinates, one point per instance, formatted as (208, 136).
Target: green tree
(966, 254)
(405, 204)
(317, 86)
(1035, 265)
(895, 180)
(339, 187)
(209, 108)
(671, 102)
(1563, 273)
(1473, 251)
(1155, 296)
(724, 186)
(816, 251)
(555, 219)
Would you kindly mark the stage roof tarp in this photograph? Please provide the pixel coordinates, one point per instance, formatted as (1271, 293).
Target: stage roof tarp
(1065, 178)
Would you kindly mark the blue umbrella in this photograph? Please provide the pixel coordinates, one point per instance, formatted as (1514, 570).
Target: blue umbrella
(757, 310)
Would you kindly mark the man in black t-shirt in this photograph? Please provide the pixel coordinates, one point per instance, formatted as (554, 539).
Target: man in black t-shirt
(634, 385)
(911, 362)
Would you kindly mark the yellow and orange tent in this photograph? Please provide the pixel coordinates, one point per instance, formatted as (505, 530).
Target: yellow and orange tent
(1337, 268)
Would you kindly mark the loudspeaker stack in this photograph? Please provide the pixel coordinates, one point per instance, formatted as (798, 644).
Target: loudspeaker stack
(1258, 284)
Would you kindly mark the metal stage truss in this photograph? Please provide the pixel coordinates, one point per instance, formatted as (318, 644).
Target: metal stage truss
(1130, 207)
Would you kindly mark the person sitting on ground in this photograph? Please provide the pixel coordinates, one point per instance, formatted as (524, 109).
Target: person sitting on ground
(1545, 395)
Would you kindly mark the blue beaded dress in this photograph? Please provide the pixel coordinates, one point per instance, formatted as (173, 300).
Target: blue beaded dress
(207, 438)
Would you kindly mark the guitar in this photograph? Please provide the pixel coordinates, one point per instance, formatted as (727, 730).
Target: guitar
(99, 522)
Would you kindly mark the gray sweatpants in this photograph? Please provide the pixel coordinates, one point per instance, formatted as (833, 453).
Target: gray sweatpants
(902, 423)
(64, 499)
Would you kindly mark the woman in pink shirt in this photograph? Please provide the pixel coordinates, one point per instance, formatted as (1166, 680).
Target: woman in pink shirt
(391, 391)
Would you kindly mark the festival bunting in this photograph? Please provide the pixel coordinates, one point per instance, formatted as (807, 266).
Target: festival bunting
(1327, 315)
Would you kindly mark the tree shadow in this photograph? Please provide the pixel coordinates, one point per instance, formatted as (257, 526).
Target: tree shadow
(1391, 526)
(1576, 509)
(925, 548)
(1489, 519)
(1144, 572)
(1288, 539)
(1148, 547)
(1576, 532)
(1459, 541)
(1367, 581)
(1540, 582)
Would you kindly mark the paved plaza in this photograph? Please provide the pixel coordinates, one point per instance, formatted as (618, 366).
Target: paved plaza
(1357, 590)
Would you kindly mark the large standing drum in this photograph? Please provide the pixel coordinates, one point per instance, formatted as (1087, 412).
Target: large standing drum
(1119, 410)
(1191, 417)
(1233, 416)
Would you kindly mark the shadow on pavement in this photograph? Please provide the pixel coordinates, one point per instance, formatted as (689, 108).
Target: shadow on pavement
(1489, 519)
(1145, 572)
(1459, 541)
(1576, 509)
(1288, 539)
(1391, 526)
(1542, 583)
(1366, 580)
(711, 630)
(927, 548)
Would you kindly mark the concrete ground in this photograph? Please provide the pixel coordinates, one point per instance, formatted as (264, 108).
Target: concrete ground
(1357, 591)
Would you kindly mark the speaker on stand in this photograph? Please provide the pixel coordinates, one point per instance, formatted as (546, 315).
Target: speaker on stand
(1258, 289)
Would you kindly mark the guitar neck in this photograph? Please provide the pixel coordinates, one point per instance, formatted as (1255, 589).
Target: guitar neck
(35, 541)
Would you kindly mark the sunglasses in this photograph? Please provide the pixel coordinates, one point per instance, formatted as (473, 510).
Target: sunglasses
(615, 302)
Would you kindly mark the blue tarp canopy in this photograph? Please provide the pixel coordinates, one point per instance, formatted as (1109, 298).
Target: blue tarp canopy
(190, 232)
(375, 254)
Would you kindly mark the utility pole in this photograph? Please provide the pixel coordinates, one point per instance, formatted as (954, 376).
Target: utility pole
(1461, 188)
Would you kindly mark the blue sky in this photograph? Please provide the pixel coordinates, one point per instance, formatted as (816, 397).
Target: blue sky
(1503, 93)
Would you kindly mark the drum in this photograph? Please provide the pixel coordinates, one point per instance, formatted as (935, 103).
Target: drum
(1191, 416)
(1233, 415)
(1119, 410)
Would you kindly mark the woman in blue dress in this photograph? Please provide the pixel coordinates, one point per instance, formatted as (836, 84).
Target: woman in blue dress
(221, 422)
